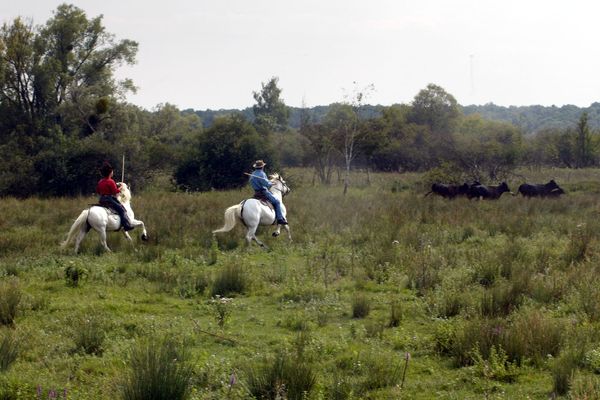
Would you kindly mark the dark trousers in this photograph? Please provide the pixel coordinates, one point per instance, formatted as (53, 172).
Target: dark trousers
(112, 203)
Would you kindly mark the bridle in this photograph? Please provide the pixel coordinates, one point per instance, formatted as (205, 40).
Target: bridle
(285, 189)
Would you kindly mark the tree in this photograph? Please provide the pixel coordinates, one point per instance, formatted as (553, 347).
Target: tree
(224, 152)
(56, 87)
(343, 120)
(583, 143)
(270, 112)
(486, 149)
(436, 108)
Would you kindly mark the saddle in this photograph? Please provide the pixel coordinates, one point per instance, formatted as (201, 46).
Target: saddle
(263, 200)
(106, 205)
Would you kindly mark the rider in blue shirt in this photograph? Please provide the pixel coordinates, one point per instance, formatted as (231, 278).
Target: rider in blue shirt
(261, 184)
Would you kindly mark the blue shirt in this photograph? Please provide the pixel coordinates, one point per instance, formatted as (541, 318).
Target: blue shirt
(259, 181)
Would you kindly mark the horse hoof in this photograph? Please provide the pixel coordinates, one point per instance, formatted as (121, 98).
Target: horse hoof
(275, 234)
(145, 237)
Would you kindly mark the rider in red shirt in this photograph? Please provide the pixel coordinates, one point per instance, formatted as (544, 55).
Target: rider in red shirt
(107, 189)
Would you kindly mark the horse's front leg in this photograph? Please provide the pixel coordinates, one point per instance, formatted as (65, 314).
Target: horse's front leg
(135, 223)
(287, 228)
(277, 231)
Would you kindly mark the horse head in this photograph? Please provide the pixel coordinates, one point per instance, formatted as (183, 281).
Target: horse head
(125, 193)
(279, 184)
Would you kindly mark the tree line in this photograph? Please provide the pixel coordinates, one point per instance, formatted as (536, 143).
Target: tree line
(62, 113)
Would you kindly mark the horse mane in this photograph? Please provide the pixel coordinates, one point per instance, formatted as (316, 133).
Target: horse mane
(125, 195)
(274, 175)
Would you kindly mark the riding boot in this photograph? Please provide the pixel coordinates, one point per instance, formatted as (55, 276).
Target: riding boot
(126, 224)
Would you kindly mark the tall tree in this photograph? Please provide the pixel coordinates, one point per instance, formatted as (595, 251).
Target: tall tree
(436, 108)
(270, 112)
(583, 143)
(63, 71)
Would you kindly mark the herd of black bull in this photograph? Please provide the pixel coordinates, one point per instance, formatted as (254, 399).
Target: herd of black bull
(479, 191)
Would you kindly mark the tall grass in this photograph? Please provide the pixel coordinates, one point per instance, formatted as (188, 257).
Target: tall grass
(9, 349)
(282, 377)
(158, 369)
(10, 298)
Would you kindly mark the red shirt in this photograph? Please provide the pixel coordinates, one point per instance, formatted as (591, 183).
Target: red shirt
(107, 187)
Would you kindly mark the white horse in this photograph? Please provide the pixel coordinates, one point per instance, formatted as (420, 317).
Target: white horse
(252, 213)
(102, 220)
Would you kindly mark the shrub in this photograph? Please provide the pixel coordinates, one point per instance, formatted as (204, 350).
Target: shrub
(381, 372)
(500, 300)
(533, 336)
(231, 279)
(281, 377)
(496, 366)
(579, 243)
(361, 306)
(158, 369)
(563, 369)
(584, 387)
(10, 297)
(73, 274)
(9, 349)
(89, 333)
(395, 314)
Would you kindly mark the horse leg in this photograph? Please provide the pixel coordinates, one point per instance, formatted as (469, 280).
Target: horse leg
(80, 235)
(102, 233)
(135, 223)
(251, 235)
(287, 228)
(277, 231)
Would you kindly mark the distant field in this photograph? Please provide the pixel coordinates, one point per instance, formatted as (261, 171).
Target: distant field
(495, 299)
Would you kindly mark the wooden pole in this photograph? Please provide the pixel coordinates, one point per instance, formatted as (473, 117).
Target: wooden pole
(123, 169)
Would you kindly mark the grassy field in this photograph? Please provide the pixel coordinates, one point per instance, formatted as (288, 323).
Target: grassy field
(383, 294)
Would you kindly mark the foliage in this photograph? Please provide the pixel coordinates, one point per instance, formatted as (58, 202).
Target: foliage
(270, 112)
(283, 376)
(361, 306)
(10, 298)
(158, 369)
(223, 154)
(9, 349)
(89, 333)
(231, 279)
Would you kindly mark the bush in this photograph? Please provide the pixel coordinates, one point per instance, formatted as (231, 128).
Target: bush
(395, 314)
(10, 297)
(89, 333)
(158, 370)
(73, 274)
(280, 378)
(231, 279)
(361, 306)
(9, 349)
(563, 369)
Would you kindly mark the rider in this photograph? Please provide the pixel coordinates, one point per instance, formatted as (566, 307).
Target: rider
(107, 189)
(261, 184)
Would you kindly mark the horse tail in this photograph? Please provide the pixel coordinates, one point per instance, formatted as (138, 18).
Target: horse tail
(232, 214)
(77, 225)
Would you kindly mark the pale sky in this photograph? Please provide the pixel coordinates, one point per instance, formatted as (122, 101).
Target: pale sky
(213, 54)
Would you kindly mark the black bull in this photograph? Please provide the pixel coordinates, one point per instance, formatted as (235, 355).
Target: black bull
(448, 191)
(550, 189)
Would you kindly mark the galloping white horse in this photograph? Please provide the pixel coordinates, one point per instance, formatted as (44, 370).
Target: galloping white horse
(252, 213)
(102, 220)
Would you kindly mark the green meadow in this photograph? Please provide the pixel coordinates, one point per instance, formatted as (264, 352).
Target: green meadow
(382, 294)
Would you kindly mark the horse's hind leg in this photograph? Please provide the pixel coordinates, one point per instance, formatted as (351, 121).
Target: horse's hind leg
(287, 228)
(80, 235)
(102, 233)
(251, 235)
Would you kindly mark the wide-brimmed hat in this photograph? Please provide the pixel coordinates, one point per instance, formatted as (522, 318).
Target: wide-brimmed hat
(258, 164)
